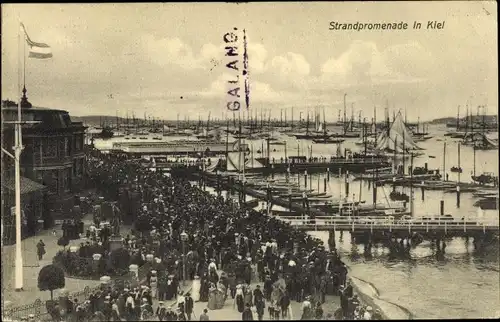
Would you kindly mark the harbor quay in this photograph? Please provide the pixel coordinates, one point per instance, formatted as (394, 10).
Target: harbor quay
(364, 229)
(182, 236)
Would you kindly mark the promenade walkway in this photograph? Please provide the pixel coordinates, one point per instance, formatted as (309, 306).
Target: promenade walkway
(230, 313)
(33, 266)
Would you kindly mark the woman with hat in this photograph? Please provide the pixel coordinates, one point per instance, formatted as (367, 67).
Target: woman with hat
(212, 297)
(239, 299)
(204, 288)
(153, 283)
(307, 312)
(368, 313)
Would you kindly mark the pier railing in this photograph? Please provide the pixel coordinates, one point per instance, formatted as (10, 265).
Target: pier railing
(389, 223)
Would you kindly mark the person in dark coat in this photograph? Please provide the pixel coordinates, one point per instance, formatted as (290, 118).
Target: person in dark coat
(284, 304)
(40, 249)
(257, 294)
(180, 315)
(204, 316)
(247, 314)
(260, 306)
(188, 305)
(318, 312)
(204, 288)
(161, 311)
(170, 315)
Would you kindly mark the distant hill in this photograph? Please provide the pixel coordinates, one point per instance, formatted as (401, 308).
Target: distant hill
(475, 118)
(97, 119)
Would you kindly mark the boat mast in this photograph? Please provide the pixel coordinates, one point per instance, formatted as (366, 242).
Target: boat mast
(352, 116)
(404, 150)
(364, 137)
(307, 124)
(474, 162)
(394, 157)
(411, 184)
(208, 122)
(345, 124)
(444, 161)
(324, 124)
(269, 120)
(117, 122)
(227, 138)
(375, 121)
(466, 117)
(458, 117)
(459, 168)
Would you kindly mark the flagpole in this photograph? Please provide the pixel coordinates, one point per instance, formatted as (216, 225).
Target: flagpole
(17, 150)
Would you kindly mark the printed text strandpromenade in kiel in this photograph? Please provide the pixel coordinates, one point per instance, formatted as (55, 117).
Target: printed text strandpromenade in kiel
(359, 26)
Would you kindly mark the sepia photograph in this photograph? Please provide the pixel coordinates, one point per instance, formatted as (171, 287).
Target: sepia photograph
(214, 161)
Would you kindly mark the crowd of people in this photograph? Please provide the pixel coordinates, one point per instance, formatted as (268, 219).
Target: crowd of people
(227, 250)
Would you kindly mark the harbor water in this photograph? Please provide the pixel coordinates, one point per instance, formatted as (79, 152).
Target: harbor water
(461, 283)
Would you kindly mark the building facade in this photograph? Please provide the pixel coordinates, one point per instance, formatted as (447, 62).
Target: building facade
(53, 153)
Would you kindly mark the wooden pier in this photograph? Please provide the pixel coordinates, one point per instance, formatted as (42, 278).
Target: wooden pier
(389, 224)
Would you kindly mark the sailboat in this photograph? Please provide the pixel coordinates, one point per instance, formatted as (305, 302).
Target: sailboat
(206, 135)
(326, 139)
(397, 140)
(423, 135)
(320, 133)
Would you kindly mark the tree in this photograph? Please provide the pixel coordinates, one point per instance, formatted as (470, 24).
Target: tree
(142, 224)
(63, 241)
(120, 260)
(50, 278)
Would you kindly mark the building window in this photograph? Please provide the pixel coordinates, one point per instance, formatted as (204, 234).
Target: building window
(82, 167)
(78, 142)
(68, 145)
(51, 180)
(66, 180)
(37, 150)
(62, 147)
(49, 148)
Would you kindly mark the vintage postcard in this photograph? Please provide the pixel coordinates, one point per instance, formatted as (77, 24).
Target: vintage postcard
(250, 161)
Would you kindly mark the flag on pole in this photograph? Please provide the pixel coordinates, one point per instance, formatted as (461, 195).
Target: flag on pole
(37, 50)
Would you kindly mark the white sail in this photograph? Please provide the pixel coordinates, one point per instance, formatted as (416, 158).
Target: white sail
(397, 138)
(233, 162)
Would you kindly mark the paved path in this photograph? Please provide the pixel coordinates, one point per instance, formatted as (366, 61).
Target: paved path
(230, 313)
(30, 287)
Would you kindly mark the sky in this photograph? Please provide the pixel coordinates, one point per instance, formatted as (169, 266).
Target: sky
(168, 60)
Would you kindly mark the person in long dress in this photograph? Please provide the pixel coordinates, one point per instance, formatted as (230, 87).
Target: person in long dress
(239, 300)
(221, 296)
(204, 289)
(195, 290)
(154, 284)
(247, 314)
(212, 298)
(248, 296)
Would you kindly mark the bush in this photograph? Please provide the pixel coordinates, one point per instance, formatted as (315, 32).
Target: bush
(120, 259)
(63, 241)
(50, 278)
